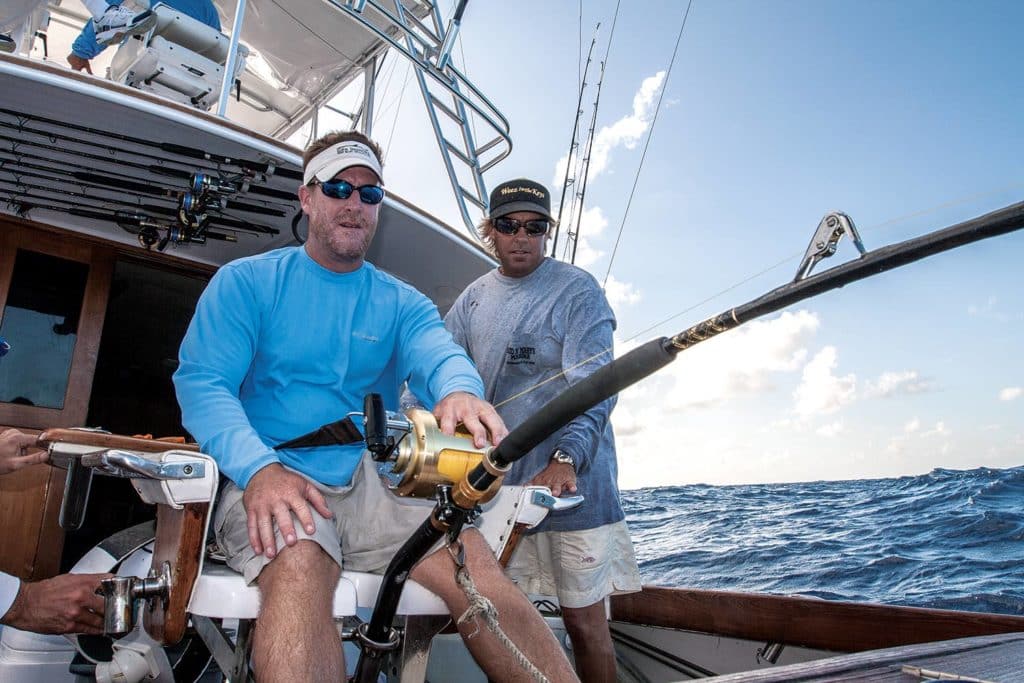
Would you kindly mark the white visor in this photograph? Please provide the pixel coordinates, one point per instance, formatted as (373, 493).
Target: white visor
(337, 158)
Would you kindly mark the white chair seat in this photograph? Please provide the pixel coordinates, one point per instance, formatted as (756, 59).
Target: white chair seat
(415, 598)
(221, 592)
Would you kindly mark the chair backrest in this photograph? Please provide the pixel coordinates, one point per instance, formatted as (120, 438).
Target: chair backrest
(181, 58)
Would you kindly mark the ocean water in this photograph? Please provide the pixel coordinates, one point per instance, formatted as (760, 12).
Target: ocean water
(948, 539)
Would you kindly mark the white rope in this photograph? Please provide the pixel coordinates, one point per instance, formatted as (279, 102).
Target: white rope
(480, 606)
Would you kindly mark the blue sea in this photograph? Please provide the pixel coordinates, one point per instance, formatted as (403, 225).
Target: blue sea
(948, 539)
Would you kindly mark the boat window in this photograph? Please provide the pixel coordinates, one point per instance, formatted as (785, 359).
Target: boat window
(40, 323)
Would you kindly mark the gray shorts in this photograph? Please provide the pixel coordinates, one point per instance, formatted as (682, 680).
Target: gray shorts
(580, 567)
(370, 524)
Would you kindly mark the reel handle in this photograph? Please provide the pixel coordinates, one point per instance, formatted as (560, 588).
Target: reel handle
(375, 427)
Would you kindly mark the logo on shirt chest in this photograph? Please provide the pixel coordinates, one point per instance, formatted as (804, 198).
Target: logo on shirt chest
(519, 355)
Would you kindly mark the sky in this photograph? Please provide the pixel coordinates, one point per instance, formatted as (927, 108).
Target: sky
(904, 115)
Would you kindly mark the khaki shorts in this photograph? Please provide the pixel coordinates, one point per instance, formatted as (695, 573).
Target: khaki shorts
(580, 567)
(370, 525)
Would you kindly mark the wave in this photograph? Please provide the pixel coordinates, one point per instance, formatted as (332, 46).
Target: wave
(948, 538)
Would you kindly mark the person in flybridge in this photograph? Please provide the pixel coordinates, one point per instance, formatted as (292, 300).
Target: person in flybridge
(284, 342)
(535, 326)
(114, 20)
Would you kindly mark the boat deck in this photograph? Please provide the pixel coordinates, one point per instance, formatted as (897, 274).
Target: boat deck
(997, 658)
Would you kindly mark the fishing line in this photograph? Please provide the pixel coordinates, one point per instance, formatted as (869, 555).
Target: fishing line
(398, 107)
(788, 259)
(650, 134)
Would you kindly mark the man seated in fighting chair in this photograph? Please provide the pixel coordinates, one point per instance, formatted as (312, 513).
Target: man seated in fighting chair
(284, 342)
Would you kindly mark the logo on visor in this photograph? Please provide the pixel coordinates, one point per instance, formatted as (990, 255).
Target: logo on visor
(354, 149)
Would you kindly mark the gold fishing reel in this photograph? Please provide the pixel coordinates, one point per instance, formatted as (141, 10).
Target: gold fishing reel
(426, 458)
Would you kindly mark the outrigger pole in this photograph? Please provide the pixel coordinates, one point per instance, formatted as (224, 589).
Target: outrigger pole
(452, 512)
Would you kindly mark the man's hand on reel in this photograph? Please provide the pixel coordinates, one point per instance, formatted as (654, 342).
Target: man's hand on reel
(478, 416)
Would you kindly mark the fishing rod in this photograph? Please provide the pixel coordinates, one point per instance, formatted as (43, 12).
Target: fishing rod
(16, 143)
(270, 168)
(458, 503)
(123, 183)
(120, 180)
(216, 219)
(147, 228)
(573, 142)
(586, 169)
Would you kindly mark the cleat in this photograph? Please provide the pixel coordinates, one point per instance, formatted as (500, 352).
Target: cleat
(7, 43)
(118, 22)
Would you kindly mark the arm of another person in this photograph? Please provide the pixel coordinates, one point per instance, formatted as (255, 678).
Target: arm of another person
(442, 376)
(68, 603)
(587, 345)
(215, 357)
(84, 48)
(18, 450)
(63, 604)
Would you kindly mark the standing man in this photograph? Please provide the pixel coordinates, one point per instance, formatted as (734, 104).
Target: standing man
(286, 341)
(535, 326)
(64, 604)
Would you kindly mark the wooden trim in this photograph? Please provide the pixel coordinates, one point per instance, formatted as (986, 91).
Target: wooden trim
(162, 260)
(90, 326)
(103, 440)
(822, 624)
(179, 542)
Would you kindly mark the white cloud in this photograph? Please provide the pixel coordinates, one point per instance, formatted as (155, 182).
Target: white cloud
(912, 426)
(740, 362)
(626, 132)
(831, 429)
(891, 384)
(990, 311)
(821, 392)
(1010, 393)
(620, 293)
(940, 429)
(592, 224)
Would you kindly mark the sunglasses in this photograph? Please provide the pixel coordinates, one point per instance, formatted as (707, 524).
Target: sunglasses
(342, 189)
(510, 226)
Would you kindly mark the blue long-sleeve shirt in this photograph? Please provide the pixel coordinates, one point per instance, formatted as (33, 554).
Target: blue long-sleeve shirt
(279, 346)
(86, 47)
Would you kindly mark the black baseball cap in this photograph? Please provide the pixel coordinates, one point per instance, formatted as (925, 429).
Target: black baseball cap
(520, 195)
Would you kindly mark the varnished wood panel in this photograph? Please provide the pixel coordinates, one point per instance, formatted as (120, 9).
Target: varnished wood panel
(30, 500)
(22, 522)
(179, 541)
(821, 624)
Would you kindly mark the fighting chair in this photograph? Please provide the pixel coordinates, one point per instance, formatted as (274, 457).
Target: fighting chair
(185, 585)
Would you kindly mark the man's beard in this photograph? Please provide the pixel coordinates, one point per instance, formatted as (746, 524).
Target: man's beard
(345, 244)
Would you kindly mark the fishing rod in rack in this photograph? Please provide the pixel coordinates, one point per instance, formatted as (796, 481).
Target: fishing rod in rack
(269, 168)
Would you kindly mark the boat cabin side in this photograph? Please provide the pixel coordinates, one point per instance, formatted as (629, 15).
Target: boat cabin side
(93, 328)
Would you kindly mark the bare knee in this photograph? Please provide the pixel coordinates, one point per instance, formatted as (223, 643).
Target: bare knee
(303, 567)
(437, 572)
(589, 623)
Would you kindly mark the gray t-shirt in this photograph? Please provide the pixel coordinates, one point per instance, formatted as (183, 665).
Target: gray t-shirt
(522, 332)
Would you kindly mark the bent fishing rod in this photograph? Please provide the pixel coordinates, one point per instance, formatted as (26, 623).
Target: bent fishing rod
(458, 503)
